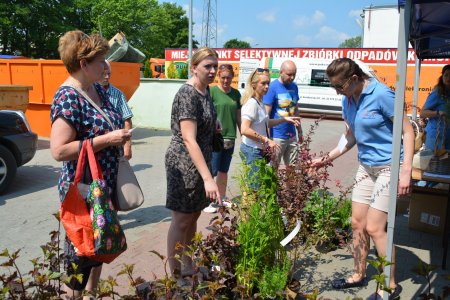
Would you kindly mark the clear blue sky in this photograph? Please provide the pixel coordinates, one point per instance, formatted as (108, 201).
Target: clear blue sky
(285, 23)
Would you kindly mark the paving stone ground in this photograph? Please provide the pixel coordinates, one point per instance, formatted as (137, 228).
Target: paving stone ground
(26, 219)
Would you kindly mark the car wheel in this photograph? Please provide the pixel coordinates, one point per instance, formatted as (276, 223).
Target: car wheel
(8, 168)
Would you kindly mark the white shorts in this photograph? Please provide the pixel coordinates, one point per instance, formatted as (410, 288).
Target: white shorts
(372, 186)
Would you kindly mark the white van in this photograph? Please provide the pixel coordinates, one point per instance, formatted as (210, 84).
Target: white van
(316, 95)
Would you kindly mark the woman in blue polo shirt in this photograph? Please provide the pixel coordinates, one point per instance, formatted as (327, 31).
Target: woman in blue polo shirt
(435, 109)
(368, 111)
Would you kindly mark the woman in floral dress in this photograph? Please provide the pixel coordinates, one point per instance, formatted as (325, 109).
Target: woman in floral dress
(74, 120)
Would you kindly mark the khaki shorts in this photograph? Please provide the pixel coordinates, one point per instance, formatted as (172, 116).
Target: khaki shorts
(288, 151)
(372, 186)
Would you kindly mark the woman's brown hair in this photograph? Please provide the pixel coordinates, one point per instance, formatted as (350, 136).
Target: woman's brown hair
(440, 85)
(346, 68)
(76, 45)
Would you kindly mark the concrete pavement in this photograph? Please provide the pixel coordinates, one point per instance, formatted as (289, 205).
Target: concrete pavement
(26, 219)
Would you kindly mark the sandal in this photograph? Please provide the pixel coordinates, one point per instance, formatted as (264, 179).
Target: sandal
(342, 283)
(395, 295)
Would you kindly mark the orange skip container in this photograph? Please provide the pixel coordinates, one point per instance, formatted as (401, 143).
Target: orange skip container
(45, 76)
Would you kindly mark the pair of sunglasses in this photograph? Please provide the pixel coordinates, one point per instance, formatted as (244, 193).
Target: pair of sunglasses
(226, 66)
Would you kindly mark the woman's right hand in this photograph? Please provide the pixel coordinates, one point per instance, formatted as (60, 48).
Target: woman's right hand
(118, 137)
(212, 190)
(318, 162)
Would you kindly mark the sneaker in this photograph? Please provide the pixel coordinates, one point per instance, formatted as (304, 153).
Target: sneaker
(210, 209)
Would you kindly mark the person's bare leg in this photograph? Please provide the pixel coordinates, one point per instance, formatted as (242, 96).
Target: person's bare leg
(188, 268)
(179, 231)
(360, 241)
(94, 278)
(71, 294)
(222, 181)
(376, 228)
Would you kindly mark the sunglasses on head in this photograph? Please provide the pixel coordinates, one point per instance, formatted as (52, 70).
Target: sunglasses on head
(260, 70)
(226, 66)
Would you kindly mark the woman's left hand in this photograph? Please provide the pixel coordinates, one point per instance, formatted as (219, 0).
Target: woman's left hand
(404, 183)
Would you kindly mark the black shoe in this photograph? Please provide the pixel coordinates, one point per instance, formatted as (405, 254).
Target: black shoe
(342, 283)
(395, 295)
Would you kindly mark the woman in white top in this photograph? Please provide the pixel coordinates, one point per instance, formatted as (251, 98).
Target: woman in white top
(255, 122)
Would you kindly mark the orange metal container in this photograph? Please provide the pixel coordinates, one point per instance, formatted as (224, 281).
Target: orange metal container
(45, 76)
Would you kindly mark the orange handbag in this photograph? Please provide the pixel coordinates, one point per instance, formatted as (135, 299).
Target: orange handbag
(90, 221)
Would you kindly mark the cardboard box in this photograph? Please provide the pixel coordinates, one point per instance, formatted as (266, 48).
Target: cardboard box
(427, 210)
(403, 205)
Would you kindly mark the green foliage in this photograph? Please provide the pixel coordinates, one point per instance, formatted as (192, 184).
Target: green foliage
(33, 28)
(260, 229)
(235, 43)
(425, 270)
(379, 264)
(274, 280)
(354, 42)
(172, 71)
(147, 70)
(325, 214)
(184, 73)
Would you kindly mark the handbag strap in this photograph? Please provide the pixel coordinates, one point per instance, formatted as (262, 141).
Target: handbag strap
(94, 105)
(440, 144)
(87, 151)
(118, 149)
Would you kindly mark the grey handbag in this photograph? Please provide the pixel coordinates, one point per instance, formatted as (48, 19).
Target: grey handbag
(128, 194)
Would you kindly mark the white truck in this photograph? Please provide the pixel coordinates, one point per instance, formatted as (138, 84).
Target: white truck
(316, 95)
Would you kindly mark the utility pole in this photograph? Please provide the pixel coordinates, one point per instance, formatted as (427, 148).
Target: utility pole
(209, 24)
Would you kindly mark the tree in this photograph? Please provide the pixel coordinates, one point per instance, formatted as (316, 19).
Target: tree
(235, 43)
(184, 73)
(147, 71)
(354, 42)
(33, 27)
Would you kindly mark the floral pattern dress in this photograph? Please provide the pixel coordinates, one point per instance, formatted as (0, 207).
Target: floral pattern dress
(88, 123)
(185, 187)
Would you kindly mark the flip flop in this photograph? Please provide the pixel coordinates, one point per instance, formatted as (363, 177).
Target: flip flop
(342, 283)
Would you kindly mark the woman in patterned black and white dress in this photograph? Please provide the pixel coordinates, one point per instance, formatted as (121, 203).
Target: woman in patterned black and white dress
(190, 185)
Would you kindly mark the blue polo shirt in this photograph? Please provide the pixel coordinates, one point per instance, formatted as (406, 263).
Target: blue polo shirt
(371, 123)
(283, 100)
(436, 102)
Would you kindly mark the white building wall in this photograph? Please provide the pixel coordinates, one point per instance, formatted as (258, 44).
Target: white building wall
(381, 26)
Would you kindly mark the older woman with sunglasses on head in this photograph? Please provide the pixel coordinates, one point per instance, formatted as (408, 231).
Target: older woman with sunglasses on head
(255, 122)
(227, 101)
(190, 184)
(368, 111)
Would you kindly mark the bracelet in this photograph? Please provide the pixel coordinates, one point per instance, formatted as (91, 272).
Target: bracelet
(437, 112)
(266, 140)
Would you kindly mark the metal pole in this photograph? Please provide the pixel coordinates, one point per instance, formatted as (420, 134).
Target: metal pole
(416, 88)
(190, 40)
(403, 34)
